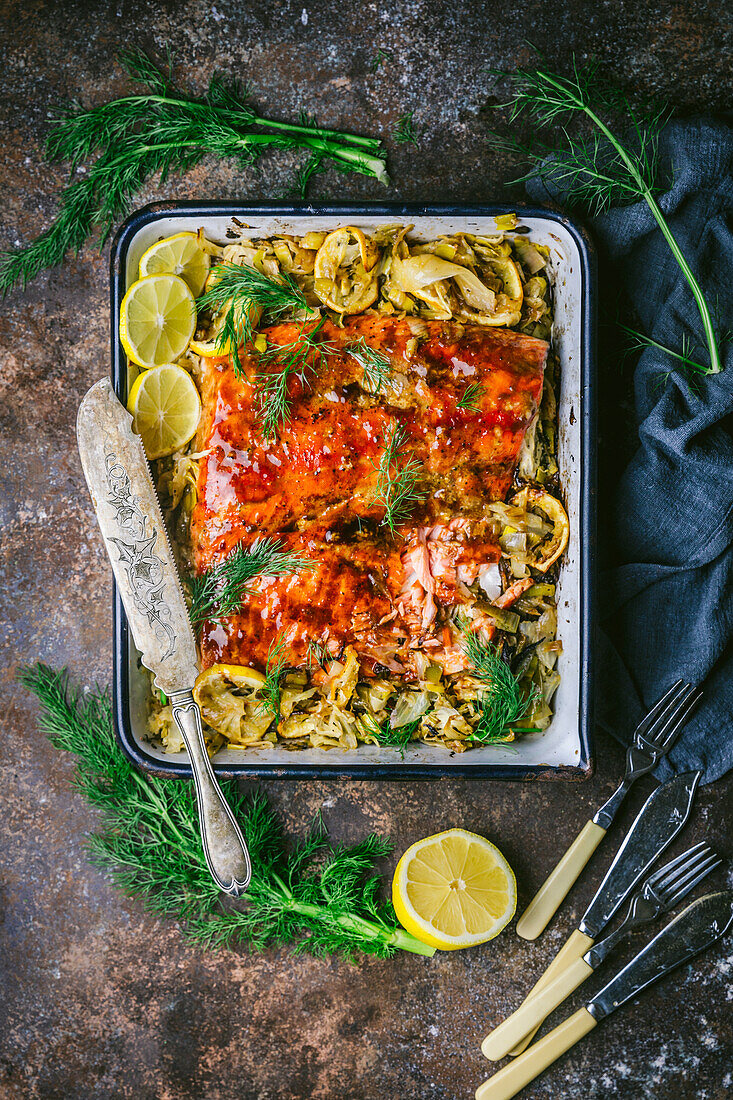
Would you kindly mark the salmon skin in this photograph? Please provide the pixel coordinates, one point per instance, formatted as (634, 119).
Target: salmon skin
(313, 486)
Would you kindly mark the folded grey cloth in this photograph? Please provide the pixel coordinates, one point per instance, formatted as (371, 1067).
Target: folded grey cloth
(666, 600)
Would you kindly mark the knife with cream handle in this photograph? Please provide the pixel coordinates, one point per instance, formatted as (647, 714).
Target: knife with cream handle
(131, 522)
(697, 927)
(660, 892)
(653, 737)
(656, 825)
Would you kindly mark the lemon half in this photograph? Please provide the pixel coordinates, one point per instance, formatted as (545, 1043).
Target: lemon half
(454, 889)
(157, 320)
(181, 255)
(165, 407)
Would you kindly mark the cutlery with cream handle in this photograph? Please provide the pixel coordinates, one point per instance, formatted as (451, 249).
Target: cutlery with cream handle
(661, 892)
(695, 928)
(653, 738)
(656, 825)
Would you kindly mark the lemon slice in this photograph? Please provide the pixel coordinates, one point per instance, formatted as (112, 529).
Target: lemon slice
(157, 320)
(181, 255)
(230, 703)
(454, 889)
(165, 407)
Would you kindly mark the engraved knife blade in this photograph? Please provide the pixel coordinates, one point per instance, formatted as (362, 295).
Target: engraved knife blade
(695, 928)
(132, 526)
(131, 522)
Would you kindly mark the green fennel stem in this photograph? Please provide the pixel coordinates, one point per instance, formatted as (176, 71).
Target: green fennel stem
(397, 937)
(707, 321)
(246, 117)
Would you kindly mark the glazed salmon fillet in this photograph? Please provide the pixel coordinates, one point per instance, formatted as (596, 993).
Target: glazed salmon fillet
(313, 486)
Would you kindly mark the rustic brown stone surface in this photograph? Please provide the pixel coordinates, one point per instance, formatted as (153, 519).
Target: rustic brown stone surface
(99, 1000)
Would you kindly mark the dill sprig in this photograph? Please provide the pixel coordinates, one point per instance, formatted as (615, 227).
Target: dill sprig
(471, 396)
(404, 131)
(381, 58)
(376, 367)
(220, 591)
(319, 653)
(311, 894)
(275, 668)
(298, 359)
(160, 130)
(603, 168)
(398, 737)
(236, 289)
(502, 701)
(398, 476)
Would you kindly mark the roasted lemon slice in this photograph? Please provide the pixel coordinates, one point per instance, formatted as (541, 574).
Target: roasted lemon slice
(454, 889)
(228, 696)
(181, 255)
(157, 320)
(344, 273)
(165, 407)
(556, 545)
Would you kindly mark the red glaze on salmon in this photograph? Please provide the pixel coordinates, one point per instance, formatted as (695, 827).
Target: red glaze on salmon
(314, 485)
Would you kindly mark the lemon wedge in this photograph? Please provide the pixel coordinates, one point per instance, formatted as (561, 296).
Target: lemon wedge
(454, 889)
(165, 407)
(180, 255)
(157, 320)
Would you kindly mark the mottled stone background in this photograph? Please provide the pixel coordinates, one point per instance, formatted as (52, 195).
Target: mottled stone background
(98, 999)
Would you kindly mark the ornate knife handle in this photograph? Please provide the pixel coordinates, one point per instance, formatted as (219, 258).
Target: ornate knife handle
(224, 847)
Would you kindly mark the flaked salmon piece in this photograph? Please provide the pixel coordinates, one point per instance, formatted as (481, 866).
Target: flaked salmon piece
(513, 592)
(440, 562)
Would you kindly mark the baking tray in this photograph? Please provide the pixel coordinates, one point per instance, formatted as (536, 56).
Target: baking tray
(563, 751)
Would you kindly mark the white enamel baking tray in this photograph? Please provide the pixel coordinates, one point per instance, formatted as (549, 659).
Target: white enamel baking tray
(564, 749)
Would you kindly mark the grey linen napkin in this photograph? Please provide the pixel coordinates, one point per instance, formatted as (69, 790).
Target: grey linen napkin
(666, 598)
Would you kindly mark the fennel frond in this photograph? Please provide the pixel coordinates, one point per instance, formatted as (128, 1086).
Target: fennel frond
(605, 167)
(404, 131)
(275, 668)
(297, 359)
(398, 477)
(376, 367)
(471, 395)
(502, 701)
(236, 289)
(310, 894)
(160, 130)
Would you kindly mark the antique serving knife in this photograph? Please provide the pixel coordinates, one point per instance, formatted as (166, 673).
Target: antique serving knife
(697, 927)
(129, 515)
(656, 825)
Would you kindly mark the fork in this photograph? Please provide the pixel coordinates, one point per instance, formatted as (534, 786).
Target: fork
(653, 738)
(659, 893)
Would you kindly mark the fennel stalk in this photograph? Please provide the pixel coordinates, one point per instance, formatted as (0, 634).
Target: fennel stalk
(313, 895)
(596, 171)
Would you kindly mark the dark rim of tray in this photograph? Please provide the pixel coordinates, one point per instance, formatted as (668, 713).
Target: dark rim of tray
(400, 769)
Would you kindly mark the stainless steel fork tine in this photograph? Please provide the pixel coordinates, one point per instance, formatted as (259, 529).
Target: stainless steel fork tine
(681, 717)
(673, 716)
(660, 877)
(691, 864)
(659, 708)
(697, 874)
(658, 728)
